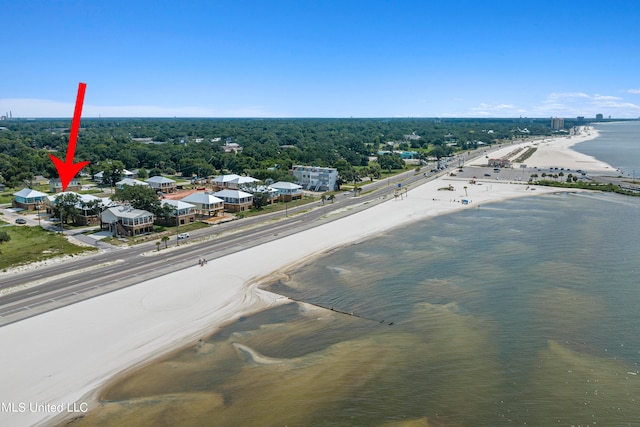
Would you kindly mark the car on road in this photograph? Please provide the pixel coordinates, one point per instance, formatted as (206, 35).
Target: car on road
(21, 221)
(183, 236)
(487, 174)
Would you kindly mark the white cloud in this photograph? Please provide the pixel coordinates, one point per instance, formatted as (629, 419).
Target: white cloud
(582, 104)
(495, 110)
(634, 91)
(556, 96)
(598, 97)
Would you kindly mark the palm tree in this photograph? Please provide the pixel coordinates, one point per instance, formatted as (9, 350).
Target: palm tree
(158, 246)
(323, 198)
(331, 197)
(165, 239)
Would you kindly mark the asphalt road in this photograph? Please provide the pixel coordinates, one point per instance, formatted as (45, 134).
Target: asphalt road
(46, 288)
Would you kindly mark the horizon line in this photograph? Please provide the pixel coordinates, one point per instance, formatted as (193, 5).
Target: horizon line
(14, 119)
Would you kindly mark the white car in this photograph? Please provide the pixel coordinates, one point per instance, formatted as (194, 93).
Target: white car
(183, 235)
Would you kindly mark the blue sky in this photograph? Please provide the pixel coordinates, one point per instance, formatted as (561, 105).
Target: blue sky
(321, 58)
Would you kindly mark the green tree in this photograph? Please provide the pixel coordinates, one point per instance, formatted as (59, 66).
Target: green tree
(165, 239)
(260, 199)
(390, 161)
(142, 173)
(66, 206)
(112, 172)
(140, 197)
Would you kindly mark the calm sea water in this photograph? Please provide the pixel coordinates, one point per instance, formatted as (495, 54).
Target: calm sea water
(618, 145)
(518, 313)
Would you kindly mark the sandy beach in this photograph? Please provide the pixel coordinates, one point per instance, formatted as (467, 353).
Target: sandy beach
(554, 152)
(54, 363)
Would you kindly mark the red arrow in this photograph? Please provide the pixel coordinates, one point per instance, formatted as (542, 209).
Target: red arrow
(68, 170)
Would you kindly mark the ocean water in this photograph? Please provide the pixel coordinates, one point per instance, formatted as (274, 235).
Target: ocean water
(618, 145)
(523, 312)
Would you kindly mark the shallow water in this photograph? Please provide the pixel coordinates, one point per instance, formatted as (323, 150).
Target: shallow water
(517, 313)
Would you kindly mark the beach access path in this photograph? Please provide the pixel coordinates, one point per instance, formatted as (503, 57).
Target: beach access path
(56, 362)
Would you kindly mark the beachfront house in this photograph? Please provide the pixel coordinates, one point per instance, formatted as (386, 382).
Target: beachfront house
(88, 207)
(28, 199)
(315, 178)
(162, 184)
(235, 200)
(205, 203)
(182, 213)
(125, 221)
(287, 191)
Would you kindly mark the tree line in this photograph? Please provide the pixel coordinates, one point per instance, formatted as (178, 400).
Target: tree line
(269, 146)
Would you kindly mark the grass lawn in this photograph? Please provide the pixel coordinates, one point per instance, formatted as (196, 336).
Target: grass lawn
(29, 244)
(279, 206)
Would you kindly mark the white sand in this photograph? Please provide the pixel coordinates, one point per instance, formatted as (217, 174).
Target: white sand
(555, 152)
(64, 356)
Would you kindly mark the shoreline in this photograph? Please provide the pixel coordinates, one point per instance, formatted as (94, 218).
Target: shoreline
(556, 152)
(89, 344)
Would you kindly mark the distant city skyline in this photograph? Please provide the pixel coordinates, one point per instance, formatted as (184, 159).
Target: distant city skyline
(321, 59)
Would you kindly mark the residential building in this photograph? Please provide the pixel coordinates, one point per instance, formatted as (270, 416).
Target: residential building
(98, 177)
(315, 178)
(233, 182)
(162, 184)
(235, 200)
(287, 191)
(130, 181)
(55, 185)
(40, 180)
(205, 203)
(29, 199)
(231, 147)
(183, 212)
(126, 221)
(89, 207)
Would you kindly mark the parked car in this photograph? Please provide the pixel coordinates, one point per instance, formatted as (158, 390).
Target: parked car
(21, 221)
(183, 235)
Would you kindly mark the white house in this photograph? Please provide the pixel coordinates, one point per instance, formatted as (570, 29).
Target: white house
(233, 181)
(235, 200)
(205, 203)
(126, 221)
(161, 183)
(89, 206)
(97, 177)
(130, 181)
(183, 212)
(287, 191)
